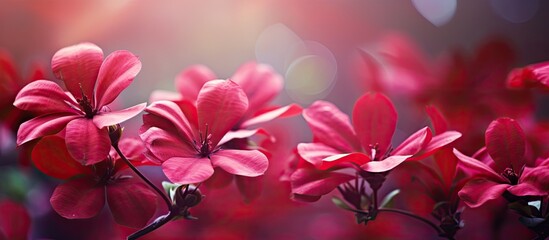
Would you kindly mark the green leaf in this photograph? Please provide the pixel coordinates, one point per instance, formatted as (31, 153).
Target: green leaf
(388, 200)
(170, 189)
(340, 203)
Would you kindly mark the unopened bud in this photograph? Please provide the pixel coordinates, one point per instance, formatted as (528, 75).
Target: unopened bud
(115, 133)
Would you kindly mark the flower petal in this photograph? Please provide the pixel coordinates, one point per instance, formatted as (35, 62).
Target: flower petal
(15, 220)
(505, 142)
(532, 182)
(479, 190)
(86, 143)
(286, 111)
(475, 167)
(415, 143)
(165, 145)
(78, 198)
(315, 153)
(437, 142)
(346, 158)
(187, 170)
(44, 97)
(244, 133)
(331, 127)
(167, 115)
(190, 81)
(159, 95)
(250, 187)
(116, 74)
(132, 203)
(312, 182)
(41, 126)
(220, 105)
(437, 119)
(105, 119)
(78, 66)
(374, 119)
(385, 164)
(51, 157)
(260, 83)
(248, 163)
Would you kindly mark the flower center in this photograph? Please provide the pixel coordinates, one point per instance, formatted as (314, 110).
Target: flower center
(105, 171)
(85, 105)
(510, 175)
(204, 147)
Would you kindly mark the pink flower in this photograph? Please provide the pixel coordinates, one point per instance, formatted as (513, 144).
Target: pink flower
(92, 84)
(503, 167)
(86, 189)
(534, 75)
(187, 140)
(15, 220)
(366, 143)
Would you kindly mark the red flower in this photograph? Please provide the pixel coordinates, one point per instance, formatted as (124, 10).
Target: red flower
(503, 167)
(535, 75)
(15, 220)
(93, 83)
(367, 143)
(83, 195)
(187, 140)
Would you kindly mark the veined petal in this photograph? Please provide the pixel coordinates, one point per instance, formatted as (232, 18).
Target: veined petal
(132, 203)
(105, 119)
(78, 66)
(165, 145)
(244, 133)
(168, 111)
(315, 153)
(374, 119)
(190, 81)
(331, 127)
(86, 143)
(44, 97)
(187, 170)
(385, 164)
(41, 126)
(415, 143)
(51, 157)
(505, 142)
(286, 111)
(312, 182)
(78, 198)
(260, 83)
(248, 163)
(346, 158)
(532, 182)
(116, 74)
(436, 143)
(475, 167)
(220, 105)
(479, 190)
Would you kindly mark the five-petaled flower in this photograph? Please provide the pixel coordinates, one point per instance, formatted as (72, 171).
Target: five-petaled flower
(187, 140)
(502, 166)
(83, 195)
(365, 145)
(92, 84)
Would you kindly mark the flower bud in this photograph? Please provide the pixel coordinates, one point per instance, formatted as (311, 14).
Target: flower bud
(115, 133)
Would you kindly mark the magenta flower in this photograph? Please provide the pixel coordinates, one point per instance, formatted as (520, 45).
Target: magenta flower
(92, 84)
(86, 189)
(535, 75)
(503, 167)
(365, 145)
(187, 141)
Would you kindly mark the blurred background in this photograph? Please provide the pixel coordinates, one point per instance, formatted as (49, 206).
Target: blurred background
(313, 44)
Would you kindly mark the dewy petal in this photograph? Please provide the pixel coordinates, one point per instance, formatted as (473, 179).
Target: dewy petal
(105, 119)
(312, 182)
(132, 203)
(190, 80)
(315, 153)
(44, 97)
(78, 198)
(286, 111)
(346, 158)
(248, 163)
(187, 170)
(331, 127)
(475, 167)
(167, 115)
(505, 142)
(51, 157)
(479, 190)
(116, 74)
(86, 143)
(42, 125)
(78, 66)
(374, 119)
(415, 143)
(220, 105)
(260, 83)
(385, 164)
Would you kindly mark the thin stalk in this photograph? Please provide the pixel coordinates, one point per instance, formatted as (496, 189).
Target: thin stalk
(409, 214)
(154, 225)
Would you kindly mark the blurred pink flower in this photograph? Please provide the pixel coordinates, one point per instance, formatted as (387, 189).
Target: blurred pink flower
(83, 195)
(93, 83)
(187, 141)
(503, 167)
(534, 75)
(15, 221)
